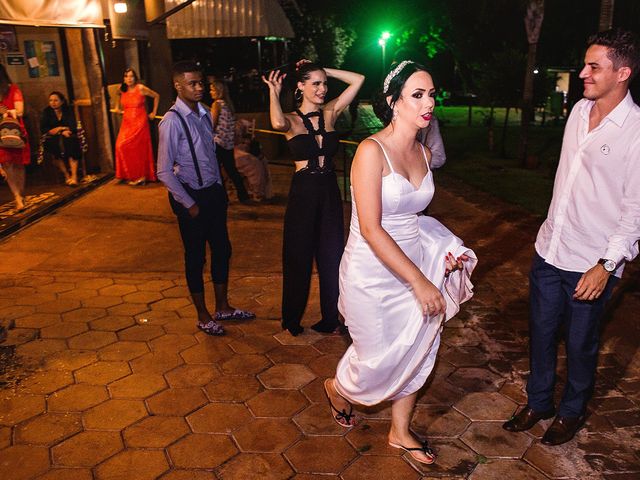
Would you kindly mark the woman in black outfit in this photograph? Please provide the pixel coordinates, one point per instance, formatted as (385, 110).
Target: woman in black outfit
(58, 123)
(313, 223)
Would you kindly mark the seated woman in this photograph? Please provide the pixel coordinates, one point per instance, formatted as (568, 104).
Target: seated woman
(251, 163)
(58, 124)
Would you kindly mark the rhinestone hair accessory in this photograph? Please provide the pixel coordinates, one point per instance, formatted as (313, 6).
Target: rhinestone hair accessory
(393, 73)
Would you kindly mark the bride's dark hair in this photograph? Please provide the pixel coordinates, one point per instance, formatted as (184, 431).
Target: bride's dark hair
(384, 110)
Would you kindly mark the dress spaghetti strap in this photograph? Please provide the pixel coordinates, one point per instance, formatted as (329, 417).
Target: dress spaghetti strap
(384, 152)
(424, 154)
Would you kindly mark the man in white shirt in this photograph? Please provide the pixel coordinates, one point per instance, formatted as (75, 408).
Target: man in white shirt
(592, 229)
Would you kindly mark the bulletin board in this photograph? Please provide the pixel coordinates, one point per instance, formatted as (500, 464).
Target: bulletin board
(42, 59)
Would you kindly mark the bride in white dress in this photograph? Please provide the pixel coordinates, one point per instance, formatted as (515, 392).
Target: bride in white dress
(402, 274)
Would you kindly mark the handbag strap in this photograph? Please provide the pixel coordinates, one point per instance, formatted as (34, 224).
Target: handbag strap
(191, 147)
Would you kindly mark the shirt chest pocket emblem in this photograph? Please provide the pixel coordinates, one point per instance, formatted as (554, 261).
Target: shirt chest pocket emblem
(605, 149)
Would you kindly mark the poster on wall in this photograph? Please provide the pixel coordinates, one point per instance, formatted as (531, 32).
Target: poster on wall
(41, 58)
(8, 38)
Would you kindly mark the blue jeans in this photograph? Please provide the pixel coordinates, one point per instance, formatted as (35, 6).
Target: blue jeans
(552, 305)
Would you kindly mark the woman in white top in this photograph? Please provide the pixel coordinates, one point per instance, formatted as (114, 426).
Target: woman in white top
(397, 280)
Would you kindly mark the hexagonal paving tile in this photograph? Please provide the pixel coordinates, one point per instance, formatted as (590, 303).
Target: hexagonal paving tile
(263, 466)
(142, 297)
(48, 429)
(94, 283)
(253, 344)
(39, 349)
(375, 468)
(277, 403)
(476, 379)
(286, 376)
(128, 309)
(308, 337)
(93, 340)
(5, 437)
(46, 382)
(70, 360)
(142, 333)
(86, 449)
(101, 373)
(114, 414)
(454, 460)
(79, 294)
(117, 290)
(491, 440)
(84, 315)
(123, 351)
(333, 344)
(314, 391)
(112, 323)
(465, 356)
(219, 418)
(232, 389)
(505, 469)
(440, 393)
(245, 364)
(172, 343)
(137, 385)
(302, 354)
(557, 461)
(201, 450)
(167, 304)
(155, 285)
(67, 474)
(36, 298)
(267, 435)
(310, 455)
(206, 354)
(16, 311)
(138, 464)
(325, 365)
(177, 401)
(22, 462)
(189, 475)
(155, 432)
(185, 325)
(58, 306)
(56, 287)
(156, 362)
(191, 376)
(76, 398)
(318, 420)
(369, 437)
(100, 301)
(63, 330)
(37, 320)
(18, 408)
(486, 406)
(439, 421)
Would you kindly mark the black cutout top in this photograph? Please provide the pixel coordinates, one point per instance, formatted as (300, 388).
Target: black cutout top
(305, 147)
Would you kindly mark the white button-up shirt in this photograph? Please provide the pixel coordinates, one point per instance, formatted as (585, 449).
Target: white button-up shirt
(595, 209)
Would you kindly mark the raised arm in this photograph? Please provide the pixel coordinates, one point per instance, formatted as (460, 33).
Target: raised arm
(366, 179)
(354, 80)
(156, 99)
(279, 121)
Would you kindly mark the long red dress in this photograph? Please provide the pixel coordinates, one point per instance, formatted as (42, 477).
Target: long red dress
(20, 156)
(134, 155)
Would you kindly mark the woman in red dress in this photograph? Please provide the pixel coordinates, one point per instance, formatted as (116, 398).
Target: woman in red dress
(134, 155)
(13, 160)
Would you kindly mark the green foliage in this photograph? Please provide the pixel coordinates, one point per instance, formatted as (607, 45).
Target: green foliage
(322, 38)
(429, 41)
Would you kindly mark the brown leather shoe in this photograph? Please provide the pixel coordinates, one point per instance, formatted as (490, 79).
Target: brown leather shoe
(526, 419)
(562, 430)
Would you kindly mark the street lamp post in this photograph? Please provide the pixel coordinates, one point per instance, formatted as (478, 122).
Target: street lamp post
(382, 41)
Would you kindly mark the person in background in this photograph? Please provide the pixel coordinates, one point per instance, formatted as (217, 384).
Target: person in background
(431, 138)
(13, 160)
(188, 167)
(224, 121)
(134, 154)
(313, 222)
(58, 124)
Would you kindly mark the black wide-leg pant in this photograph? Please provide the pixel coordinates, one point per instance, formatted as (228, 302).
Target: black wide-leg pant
(313, 228)
(209, 227)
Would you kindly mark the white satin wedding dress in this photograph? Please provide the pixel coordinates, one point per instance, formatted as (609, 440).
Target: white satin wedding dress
(394, 345)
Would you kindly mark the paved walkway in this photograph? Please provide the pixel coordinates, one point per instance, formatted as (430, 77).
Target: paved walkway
(110, 379)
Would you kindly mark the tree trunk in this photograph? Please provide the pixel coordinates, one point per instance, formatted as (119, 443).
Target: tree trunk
(98, 101)
(606, 15)
(503, 147)
(533, 24)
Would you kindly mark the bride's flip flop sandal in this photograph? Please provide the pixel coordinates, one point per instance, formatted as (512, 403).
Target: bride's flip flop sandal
(425, 448)
(342, 418)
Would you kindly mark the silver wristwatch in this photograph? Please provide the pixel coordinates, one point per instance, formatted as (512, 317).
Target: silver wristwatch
(609, 265)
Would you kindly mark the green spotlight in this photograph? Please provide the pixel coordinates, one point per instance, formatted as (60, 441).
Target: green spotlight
(386, 35)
